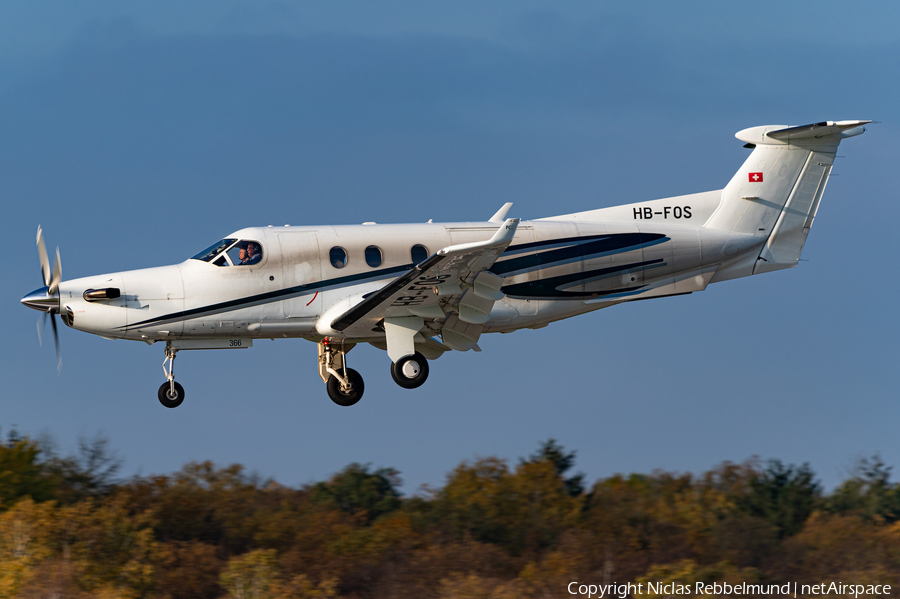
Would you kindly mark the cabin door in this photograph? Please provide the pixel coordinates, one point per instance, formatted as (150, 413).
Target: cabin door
(301, 268)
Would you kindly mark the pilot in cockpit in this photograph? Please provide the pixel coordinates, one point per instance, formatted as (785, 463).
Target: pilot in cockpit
(238, 253)
(253, 254)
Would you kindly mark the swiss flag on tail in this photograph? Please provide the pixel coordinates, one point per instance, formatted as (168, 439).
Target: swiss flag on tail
(756, 177)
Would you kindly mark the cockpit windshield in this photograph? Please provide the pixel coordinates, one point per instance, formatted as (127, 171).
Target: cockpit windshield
(213, 250)
(232, 252)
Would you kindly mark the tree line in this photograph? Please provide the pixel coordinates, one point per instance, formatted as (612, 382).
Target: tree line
(69, 527)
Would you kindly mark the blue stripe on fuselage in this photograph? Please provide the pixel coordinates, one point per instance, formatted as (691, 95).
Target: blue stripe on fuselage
(550, 252)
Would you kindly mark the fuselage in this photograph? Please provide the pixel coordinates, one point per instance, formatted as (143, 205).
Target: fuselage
(552, 270)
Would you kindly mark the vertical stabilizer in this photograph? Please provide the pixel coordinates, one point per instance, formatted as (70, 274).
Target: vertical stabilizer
(776, 192)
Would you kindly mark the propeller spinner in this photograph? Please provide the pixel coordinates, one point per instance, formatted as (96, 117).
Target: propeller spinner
(46, 299)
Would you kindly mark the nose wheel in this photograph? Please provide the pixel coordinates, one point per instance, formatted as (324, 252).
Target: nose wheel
(171, 394)
(410, 372)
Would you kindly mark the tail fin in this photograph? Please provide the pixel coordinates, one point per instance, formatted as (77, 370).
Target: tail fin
(776, 192)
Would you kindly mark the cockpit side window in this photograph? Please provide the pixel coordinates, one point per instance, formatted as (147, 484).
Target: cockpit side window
(213, 250)
(245, 252)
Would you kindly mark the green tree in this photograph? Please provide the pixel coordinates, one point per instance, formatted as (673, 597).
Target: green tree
(784, 496)
(356, 490)
(89, 473)
(868, 492)
(22, 474)
(553, 452)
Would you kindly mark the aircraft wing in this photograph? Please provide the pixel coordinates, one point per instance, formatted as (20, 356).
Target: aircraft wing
(436, 281)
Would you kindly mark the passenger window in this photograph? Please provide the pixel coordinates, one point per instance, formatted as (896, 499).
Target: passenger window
(418, 253)
(338, 257)
(245, 253)
(373, 256)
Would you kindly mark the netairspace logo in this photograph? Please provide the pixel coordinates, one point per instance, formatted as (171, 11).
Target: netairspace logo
(624, 590)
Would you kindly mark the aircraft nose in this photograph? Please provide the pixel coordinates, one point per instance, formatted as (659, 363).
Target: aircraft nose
(40, 299)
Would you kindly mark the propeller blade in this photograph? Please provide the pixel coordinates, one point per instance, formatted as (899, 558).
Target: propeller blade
(57, 275)
(41, 325)
(42, 254)
(56, 343)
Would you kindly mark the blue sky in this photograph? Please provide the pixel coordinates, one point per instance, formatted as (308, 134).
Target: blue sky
(138, 134)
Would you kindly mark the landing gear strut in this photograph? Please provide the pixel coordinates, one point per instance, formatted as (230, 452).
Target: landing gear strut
(344, 385)
(171, 394)
(410, 372)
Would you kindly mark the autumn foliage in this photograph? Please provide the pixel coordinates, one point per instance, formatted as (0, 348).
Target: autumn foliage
(69, 528)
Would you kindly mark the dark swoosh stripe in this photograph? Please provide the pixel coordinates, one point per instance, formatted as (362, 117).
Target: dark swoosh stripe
(547, 288)
(612, 243)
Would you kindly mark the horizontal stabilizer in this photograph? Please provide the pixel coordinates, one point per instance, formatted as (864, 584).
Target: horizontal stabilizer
(781, 134)
(816, 130)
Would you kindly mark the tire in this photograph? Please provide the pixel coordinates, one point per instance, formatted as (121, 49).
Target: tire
(401, 370)
(351, 396)
(168, 401)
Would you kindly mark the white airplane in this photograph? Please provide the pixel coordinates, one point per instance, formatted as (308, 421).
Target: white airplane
(419, 290)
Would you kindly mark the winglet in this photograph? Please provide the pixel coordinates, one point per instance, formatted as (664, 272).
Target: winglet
(501, 214)
(502, 237)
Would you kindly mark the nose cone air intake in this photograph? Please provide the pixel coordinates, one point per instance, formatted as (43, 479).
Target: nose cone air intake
(42, 300)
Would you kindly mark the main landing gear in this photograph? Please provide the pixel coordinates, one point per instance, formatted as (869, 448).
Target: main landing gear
(171, 394)
(345, 386)
(410, 372)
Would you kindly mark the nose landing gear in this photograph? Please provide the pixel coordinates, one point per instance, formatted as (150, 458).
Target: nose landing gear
(171, 394)
(344, 385)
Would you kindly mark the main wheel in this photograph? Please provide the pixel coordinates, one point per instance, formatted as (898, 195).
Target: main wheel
(410, 372)
(349, 396)
(168, 399)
